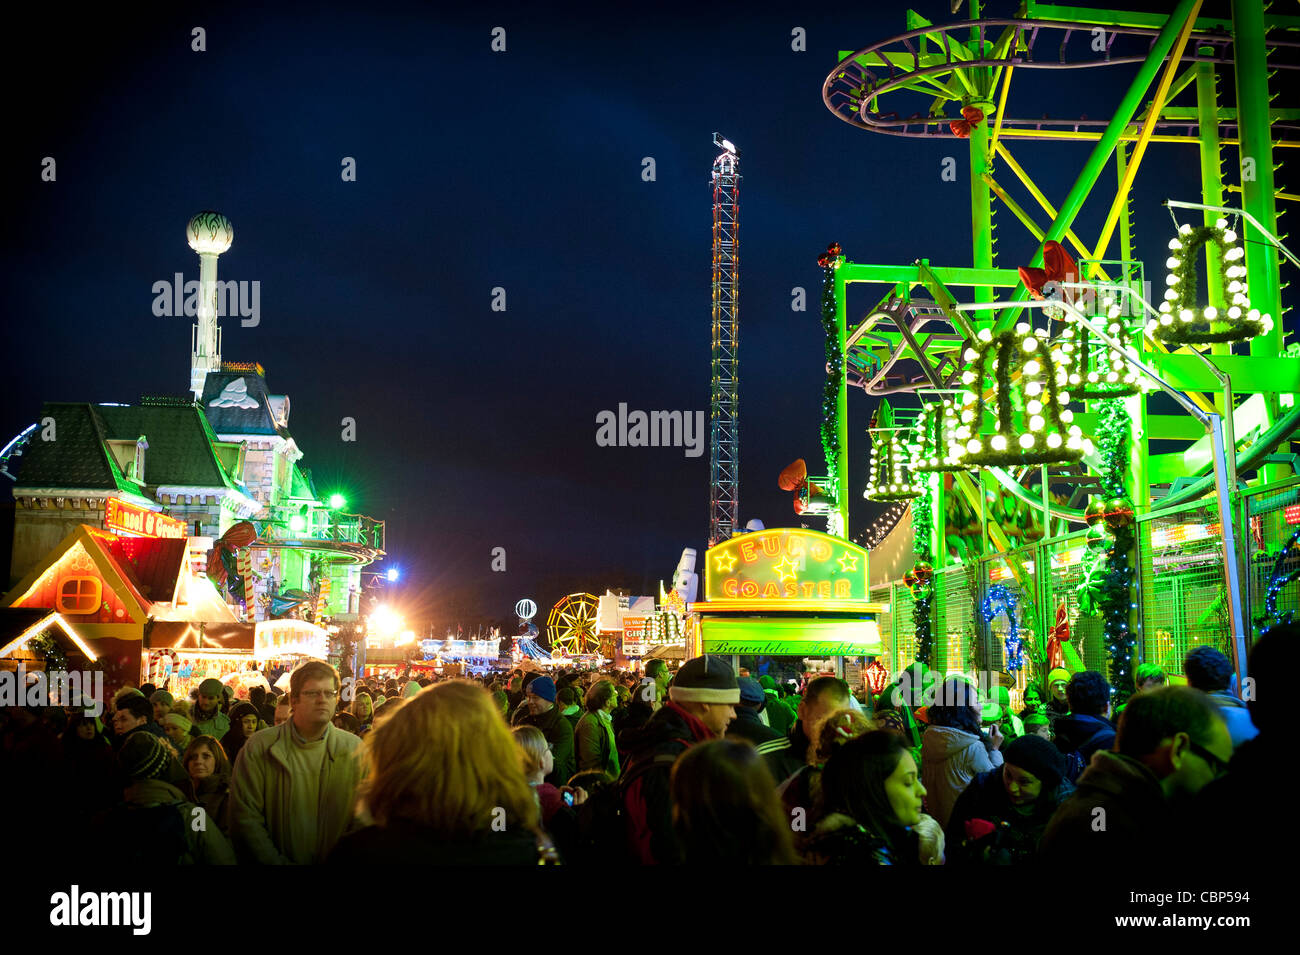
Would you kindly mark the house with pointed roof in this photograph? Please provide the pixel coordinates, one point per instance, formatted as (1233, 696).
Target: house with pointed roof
(159, 456)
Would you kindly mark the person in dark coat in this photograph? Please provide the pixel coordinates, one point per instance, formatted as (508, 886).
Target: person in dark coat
(244, 722)
(89, 764)
(1002, 814)
(1087, 729)
(1171, 743)
(701, 703)
(780, 760)
(1259, 766)
(546, 716)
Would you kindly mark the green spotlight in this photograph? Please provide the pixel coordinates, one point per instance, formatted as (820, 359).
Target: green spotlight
(337, 502)
(297, 523)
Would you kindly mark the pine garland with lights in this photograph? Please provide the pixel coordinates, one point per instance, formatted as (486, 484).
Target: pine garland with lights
(890, 464)
(830, 260)
(1278, 579)
(1181, 321)
(45, 644)
(923, 592)
(1115, 590)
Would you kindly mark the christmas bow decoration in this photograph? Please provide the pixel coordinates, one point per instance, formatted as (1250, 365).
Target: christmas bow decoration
(1057, 267)
(1058, 636)
(972, 116)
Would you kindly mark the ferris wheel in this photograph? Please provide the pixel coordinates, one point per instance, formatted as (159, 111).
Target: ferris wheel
(571, 626)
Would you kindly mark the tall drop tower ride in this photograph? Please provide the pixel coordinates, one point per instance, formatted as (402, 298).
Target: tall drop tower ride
(724, 433)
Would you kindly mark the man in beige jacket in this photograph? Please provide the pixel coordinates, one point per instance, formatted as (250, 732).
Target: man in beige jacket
(294, 785)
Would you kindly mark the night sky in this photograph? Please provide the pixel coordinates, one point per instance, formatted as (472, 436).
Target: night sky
(476, 429)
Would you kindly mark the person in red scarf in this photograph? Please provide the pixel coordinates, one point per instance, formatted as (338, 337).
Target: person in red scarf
(701, 703)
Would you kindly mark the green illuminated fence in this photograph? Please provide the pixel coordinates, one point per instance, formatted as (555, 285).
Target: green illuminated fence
(1272, 516)
(1183, 599)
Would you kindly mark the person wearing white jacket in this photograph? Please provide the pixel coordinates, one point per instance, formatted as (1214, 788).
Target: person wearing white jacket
(953, 752)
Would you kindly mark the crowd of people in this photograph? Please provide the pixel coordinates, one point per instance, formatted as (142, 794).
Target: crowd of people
(703, 766)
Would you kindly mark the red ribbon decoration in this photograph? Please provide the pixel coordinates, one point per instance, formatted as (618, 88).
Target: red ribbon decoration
(961, 128)
(1056, 636)
(1057, 267)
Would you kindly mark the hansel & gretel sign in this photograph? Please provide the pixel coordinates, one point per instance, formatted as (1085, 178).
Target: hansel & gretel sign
(786, 565)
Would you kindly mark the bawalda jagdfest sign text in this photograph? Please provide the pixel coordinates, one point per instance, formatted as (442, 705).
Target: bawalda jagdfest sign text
(789, 566)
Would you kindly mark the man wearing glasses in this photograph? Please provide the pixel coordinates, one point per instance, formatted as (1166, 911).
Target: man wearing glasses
(293, 785)
(1171, 743)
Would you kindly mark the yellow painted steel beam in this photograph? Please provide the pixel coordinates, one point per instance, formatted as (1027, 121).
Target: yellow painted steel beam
(1002, 108)
(1037, 193)
(1148, 128)
(1034, 229)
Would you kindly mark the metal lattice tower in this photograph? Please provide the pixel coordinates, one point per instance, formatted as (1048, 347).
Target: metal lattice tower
(724, 434)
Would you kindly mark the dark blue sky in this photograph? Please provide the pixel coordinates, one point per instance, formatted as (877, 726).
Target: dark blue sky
(476, 429)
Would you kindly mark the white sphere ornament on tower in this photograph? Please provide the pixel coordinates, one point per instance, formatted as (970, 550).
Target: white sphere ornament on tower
(209, 233)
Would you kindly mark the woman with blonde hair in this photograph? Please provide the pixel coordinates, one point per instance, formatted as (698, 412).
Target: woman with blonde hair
(444, 785)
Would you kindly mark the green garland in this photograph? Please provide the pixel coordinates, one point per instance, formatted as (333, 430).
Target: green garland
(1115, 593)
(923, 628)
(45, 644)
(830, 261)
(1181, 321)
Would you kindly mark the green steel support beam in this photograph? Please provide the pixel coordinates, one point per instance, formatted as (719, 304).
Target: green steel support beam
(1129, 18)
(1250, 375)
(911, 275)
(981, 209)
(1211, 186)
(1101, 153)
(1251, 68)
(1250, 64)
(842, 407)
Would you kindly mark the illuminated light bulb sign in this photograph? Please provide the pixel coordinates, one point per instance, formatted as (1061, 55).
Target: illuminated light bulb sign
(933, 437)
(785, 569)
(889, 476)
(1101, 371)
(1181, 319)
(1032, 421)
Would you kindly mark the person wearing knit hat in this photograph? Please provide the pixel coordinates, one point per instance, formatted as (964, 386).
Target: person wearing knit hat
(1002, 814)
(244, 722)
(178, 727)
(539, 710)
(701, 703)
(209, 720)
(1057, 681)
(154, 780)
(162, 704)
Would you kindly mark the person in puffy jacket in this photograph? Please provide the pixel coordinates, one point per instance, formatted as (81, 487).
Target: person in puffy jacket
(1211, 672)
(953, 751)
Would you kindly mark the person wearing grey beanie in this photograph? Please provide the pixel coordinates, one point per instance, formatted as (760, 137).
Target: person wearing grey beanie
(1002, 814)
